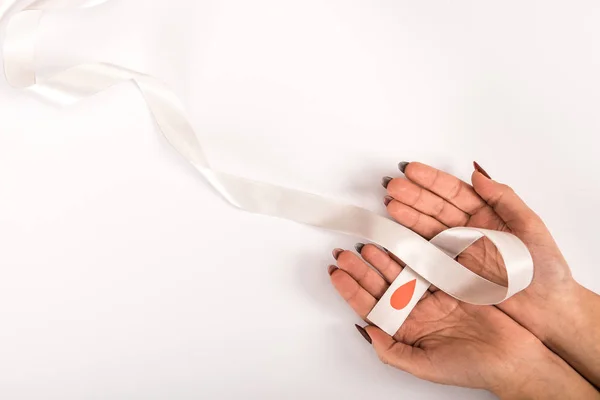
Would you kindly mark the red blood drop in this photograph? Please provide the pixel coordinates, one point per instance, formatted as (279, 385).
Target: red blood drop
(403, 294)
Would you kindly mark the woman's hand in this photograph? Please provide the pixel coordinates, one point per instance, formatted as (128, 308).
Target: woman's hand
(560, 312)
(447, 341)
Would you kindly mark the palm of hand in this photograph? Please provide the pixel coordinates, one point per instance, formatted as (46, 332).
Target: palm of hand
(449, 341)
(461, 341)
(483, 257)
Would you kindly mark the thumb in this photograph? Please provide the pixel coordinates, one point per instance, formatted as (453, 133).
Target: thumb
(397, 354)
(505, 202)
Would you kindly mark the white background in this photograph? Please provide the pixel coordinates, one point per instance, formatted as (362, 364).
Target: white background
(122, 275)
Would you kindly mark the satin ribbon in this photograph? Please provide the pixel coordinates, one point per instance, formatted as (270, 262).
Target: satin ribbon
(427, 262)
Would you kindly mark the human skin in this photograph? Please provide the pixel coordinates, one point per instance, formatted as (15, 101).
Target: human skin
(560, 312)
(451, 342)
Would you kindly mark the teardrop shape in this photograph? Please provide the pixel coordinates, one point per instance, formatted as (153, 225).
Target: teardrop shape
(403, 294)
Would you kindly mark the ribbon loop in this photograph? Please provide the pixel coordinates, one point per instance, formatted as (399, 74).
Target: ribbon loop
(517, 260)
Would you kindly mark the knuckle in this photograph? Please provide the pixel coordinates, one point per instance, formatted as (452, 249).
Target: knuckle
(384, 358)
(434, 176)
(438, 208)
(506, 188)
(455, 191)
(351, 295)
(416, 217)
(417, 197)
(534, 220)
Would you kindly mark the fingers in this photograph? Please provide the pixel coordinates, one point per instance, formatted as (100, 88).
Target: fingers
(379, 259)
(398, 261)
(422, 224)
(397, 354)
(426, 202)
(446, 186)
(505, 202)
(355, 295)
(362, 273)
(357, 282)
(386, 263)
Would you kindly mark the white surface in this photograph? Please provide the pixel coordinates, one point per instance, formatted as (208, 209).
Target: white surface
(108, 279)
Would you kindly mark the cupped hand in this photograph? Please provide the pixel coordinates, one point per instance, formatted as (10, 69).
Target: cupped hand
(451, 342)
(554, 307)
(429, 201)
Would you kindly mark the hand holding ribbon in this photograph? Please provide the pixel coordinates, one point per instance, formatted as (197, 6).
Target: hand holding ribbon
(430, 262)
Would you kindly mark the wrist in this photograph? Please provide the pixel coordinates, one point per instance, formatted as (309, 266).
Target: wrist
(523, 373)
(574, 333)
(550, 312)
(569, 305)
(545, 376)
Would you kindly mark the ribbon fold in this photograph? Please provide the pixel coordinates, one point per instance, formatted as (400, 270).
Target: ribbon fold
(429, 262)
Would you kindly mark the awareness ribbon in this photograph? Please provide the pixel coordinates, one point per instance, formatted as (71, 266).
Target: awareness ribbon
(427, 263)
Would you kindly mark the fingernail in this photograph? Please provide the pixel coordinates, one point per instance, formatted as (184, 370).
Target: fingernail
(387, 199)
(359, 247)
(402, 166)
(336, 253)
(364, 333)
(481, 170)
(331, 269)
(385, 181)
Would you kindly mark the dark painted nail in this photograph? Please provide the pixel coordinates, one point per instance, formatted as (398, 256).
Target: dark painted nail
(359, 247)
(364, 333)
(481, 170)
(387, 199)
(336, 253)
(402, 166)
(385, 181)
(331, 269)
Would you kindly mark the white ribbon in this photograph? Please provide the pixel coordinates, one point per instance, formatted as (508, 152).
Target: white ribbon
(430, 262)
